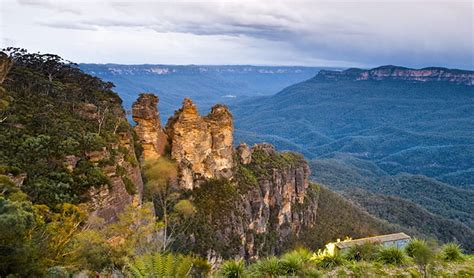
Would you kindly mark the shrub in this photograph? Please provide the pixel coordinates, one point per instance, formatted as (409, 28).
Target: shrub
(361, 269)
(296, 261)
(268, 267)
(452, 252)
(364, 252)
(232, 269)
(201, 267)
(391, 255)
(311, 273)
(421, 254)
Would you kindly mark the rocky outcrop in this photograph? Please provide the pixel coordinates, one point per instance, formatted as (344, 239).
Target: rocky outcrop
(264, 209)
(279, 206)
(149, 131)
(202, 146)
(5, 65)
(400, 73)
(125, 181)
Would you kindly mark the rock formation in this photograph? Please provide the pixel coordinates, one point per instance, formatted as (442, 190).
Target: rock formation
(150, 133)
(272, 206)
(202, 146)
(108, 201)
(125, 181)
(400, 73)
(280, 205)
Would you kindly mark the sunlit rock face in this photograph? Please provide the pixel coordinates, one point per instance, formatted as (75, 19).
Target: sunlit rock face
(202, 146)
(149, 131)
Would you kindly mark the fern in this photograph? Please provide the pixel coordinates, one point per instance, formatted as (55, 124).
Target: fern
(160, 265)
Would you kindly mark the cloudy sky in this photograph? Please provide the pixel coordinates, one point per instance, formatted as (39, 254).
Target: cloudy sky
(323, 33)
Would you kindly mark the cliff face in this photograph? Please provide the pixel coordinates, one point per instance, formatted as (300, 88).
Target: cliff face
(125, 181)
(126, 185)
(150, 133)
(399, 73)
(279, 205)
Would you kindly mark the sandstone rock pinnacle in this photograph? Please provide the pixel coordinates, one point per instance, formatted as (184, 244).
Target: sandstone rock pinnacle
(150, 133)
(202, 146)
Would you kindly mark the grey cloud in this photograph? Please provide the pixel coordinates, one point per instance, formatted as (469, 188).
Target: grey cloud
(46, 4)
(363, 32)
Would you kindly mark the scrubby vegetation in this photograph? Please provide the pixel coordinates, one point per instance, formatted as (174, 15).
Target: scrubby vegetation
(55, 118)
(383, 262)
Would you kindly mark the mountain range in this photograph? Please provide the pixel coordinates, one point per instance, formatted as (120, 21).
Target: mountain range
(206, 85)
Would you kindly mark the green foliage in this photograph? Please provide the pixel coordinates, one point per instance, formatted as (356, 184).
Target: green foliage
(268, 267)
(129, 185)
(232, 269)
(452, 252)
(246, 179)
(160, 265)
(53, 112)
(34, 237)
(160, 173)
(351, 221)
(215, 202)
(328, 261)
(421, 254)
(423, 206)
(201, 268)
(363, 252)
(263, 162)
(296, 262)
(392, 255)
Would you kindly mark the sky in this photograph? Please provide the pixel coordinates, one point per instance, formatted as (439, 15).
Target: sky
(416, 33)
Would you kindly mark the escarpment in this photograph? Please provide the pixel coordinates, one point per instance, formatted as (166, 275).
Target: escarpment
(465, 77)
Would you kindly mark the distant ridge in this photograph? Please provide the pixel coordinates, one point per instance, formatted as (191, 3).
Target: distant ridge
(465, 77)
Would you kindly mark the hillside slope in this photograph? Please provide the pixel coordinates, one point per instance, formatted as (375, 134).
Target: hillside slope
(65, 137)
(401, 124)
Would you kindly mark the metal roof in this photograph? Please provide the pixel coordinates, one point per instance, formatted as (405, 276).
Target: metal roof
(374, 239)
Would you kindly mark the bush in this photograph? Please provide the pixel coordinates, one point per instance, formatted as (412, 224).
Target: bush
(295, 262)
(421, 254)
(268, 267)
(201, 267)
(452, 252)
(364, 252)
(391, 255)
(232, 269)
